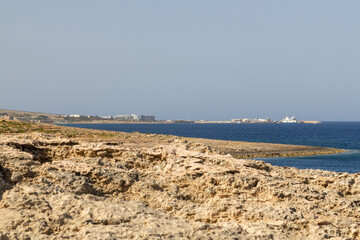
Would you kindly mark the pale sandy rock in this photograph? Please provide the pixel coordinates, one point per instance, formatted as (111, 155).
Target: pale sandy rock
(56, 188)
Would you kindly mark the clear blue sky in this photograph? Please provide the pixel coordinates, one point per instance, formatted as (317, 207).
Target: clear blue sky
(207, 59)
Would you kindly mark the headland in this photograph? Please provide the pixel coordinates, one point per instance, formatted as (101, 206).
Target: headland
(61, 182)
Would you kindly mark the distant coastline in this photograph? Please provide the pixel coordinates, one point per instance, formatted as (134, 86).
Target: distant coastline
(36, 117)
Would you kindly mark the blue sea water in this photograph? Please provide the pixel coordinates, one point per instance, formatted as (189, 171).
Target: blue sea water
(344, 135)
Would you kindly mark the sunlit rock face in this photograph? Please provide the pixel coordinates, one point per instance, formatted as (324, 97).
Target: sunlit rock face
(54, 187)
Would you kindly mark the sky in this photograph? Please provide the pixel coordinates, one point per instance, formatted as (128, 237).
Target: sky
(203, 59)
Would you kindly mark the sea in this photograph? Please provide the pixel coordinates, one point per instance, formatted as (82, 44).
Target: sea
(344, 135)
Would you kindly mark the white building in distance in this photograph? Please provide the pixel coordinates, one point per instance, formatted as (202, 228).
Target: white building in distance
(135, 118)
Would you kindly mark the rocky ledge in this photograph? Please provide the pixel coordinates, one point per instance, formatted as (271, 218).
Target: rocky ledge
(55, 187)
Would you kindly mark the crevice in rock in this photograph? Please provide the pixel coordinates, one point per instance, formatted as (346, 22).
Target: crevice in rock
(5, 180)
(40, 154)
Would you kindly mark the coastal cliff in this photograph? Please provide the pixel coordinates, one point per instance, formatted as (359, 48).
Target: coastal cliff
(58, 182)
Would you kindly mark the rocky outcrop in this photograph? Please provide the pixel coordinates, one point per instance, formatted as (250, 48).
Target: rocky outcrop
(240, 149)
(53, 187)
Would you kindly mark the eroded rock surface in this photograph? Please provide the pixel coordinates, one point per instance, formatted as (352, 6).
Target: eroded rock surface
(55, 188)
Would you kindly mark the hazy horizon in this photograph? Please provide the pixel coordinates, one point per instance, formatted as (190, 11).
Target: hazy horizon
(206, 60)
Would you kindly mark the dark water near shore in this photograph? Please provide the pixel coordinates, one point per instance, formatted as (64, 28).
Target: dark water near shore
(344, 135)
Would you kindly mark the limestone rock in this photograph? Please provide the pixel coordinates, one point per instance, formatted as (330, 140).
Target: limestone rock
(54, 188)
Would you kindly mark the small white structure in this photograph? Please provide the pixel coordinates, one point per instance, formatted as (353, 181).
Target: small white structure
(289, 119)
(251, 120)
(135, 117)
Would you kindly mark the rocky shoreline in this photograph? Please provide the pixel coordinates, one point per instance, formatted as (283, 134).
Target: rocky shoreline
(240, 150)
(58, 182)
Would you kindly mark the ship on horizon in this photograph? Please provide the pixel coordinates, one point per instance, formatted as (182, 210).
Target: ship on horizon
(289, 119)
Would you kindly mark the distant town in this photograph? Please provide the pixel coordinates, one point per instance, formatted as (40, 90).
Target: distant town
(131, 118)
